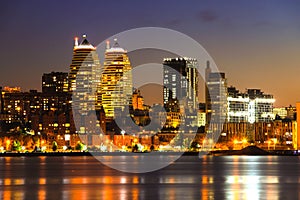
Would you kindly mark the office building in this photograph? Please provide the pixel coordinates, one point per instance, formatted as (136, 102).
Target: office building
(180, 79)
(84, 77)
(116, 81)
(216, 102)
(55, 82)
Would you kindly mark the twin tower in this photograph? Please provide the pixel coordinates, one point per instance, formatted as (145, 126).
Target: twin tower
(110, 86)
(94, 86)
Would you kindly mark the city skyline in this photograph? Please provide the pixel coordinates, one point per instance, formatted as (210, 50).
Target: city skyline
(150, 99)
(156, 98)
(251, 42)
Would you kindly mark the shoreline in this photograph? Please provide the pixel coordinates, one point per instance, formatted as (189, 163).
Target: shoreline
(199, 154)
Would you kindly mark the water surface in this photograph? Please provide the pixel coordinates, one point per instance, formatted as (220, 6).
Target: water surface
(224, 177)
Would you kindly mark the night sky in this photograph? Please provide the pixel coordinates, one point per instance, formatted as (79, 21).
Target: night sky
(257, 43)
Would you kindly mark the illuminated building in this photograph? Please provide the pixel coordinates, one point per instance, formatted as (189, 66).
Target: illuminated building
(216, 101)
(32, 109)
(137, 100)
(1, 101)
(281, 112)
(20, 105)
(285, 112)
(173, 115)
(55, 95)
(237, 106)
(55, 82)
(84, 85)
(201, 115)
(296, 128)
(158, 115)
(116, 80)
(12, 89)
(53, 123)
(252, 106)
(248, 113)
(291, 112)
(180, 78)
(84, 77)
(260, 106)
(233, 112)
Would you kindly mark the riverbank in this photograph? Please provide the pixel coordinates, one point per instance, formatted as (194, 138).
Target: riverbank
(250, 150)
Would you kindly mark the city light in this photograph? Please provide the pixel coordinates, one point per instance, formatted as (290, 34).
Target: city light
(250, 115)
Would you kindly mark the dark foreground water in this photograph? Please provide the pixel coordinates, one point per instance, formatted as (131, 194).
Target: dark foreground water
(227, 177)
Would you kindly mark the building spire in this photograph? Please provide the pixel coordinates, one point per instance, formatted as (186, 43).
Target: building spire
(107, 44)
(76, 41)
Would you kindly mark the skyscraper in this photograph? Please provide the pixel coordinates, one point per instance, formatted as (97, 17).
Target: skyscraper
(55, 95)
(84, 76)
(116, 80)
(216, 101)
(84, 85)
(181, 85)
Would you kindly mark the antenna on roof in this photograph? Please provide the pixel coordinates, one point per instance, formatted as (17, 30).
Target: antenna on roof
(107, 44)
(76, 41)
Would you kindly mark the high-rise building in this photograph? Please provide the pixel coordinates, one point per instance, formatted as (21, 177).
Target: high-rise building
(84, 77)
(55, 82)
(84, 85)
(180, 78)
(55, 95)
(116, 80)
(216, 101)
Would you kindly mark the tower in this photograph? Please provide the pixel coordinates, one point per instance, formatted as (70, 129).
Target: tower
(180, 78)
(116, 80)
(216, 102)
(84, 76)
(84, 86)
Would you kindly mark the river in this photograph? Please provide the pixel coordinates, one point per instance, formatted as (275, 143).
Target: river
(190, 177)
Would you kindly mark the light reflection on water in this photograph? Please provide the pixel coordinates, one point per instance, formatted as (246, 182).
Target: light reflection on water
(229, 177)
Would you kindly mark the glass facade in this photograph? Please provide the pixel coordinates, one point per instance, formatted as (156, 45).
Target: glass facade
(84, 77)
(116, 81)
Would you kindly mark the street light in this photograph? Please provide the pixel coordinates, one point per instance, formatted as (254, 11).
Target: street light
(7, 144)
(122, 132)
(235, 142)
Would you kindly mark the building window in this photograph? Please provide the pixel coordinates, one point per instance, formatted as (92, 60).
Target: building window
(173, 77)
